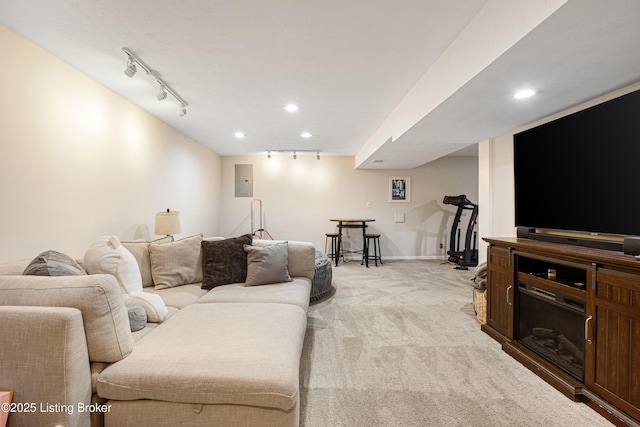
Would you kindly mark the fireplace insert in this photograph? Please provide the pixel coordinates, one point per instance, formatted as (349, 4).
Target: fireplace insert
(552, 325)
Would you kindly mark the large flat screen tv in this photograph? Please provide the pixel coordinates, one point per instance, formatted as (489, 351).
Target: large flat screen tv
(581, 173)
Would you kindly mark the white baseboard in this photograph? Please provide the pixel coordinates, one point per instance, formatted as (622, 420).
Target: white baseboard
(405, 258)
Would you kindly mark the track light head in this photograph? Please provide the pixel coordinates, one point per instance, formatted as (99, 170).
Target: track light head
(162, 94)
(131, 69)
(295, 156)
(318, 155)
(268, 154)
(183, 111)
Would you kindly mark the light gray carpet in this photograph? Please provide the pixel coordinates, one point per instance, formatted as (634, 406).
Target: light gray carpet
(399, 345)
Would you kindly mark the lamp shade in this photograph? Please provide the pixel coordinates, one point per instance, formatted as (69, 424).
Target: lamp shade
(168, 223)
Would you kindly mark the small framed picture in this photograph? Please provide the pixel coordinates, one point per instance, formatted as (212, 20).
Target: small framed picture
(400, 189)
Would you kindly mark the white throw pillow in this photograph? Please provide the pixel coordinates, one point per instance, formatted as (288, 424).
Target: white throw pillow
(107, 256)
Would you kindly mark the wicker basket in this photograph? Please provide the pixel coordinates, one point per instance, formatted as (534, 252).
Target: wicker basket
(480, 305)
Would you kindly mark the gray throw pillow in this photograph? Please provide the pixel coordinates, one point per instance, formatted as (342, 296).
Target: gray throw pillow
(224, 261)
(267, 264)
(53, 263)
(137, 318)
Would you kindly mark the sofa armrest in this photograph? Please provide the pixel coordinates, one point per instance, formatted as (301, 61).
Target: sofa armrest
(97, 296)
(302, 257)
(44, 360)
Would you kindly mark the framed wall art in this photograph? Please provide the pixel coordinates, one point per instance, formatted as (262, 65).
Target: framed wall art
(400, 189)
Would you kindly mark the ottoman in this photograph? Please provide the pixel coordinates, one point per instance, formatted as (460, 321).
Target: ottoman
(211, 364)
(321, 283)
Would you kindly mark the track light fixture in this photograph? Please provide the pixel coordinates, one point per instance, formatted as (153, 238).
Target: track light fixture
(164, 88)
(295, 152)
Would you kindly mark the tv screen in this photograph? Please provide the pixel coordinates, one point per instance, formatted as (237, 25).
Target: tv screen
(582, 172)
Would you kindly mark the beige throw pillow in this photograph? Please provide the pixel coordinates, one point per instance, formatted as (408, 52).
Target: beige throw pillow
(140, 250)
(176, 263)
(268, 264)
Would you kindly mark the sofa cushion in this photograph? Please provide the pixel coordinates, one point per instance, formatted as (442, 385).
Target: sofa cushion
(266, 265)
(107, 256)
(14, 268)
(177, 263)
(53, 263)
(224, 261)
(140, 250)
(137, 335)
(180, 296)
(98, 297)
(296, 292)
(249, 354)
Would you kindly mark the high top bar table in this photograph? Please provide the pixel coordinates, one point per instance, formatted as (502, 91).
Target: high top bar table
(352, 223)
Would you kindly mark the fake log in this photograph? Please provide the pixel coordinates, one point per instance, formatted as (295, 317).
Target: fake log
(544, 333)
(568, 348)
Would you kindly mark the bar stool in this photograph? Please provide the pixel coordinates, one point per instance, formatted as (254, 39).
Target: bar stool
(377, 252)
(334, 245)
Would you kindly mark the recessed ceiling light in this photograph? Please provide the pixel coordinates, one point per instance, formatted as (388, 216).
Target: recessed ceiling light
(525, 93)
(239, 135)
(292, 108)
(305, 135)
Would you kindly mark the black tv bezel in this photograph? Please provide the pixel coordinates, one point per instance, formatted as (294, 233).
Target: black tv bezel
(616, 111)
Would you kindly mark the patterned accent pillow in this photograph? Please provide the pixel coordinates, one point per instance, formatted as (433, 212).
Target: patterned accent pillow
(224, 261)
(53, 263)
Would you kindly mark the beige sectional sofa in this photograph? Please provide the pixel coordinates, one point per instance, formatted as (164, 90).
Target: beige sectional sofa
(226, 356)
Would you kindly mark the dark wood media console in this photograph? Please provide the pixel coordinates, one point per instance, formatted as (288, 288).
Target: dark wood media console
(592, 351)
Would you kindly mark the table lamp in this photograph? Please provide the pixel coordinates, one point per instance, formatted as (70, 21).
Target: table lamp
(168, 223)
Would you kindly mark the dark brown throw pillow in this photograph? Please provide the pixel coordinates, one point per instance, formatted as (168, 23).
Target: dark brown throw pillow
(53, 263)
(224, 261)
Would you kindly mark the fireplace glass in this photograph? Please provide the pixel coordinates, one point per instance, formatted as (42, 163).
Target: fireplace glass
(552, 325)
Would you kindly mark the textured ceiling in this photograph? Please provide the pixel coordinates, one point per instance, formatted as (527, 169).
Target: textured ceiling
(348, 65)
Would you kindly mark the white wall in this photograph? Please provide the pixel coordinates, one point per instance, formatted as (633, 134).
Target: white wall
(301, 196)
(495, 159)
(77, 161)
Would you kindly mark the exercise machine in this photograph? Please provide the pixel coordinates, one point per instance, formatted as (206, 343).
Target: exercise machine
(467, 256)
